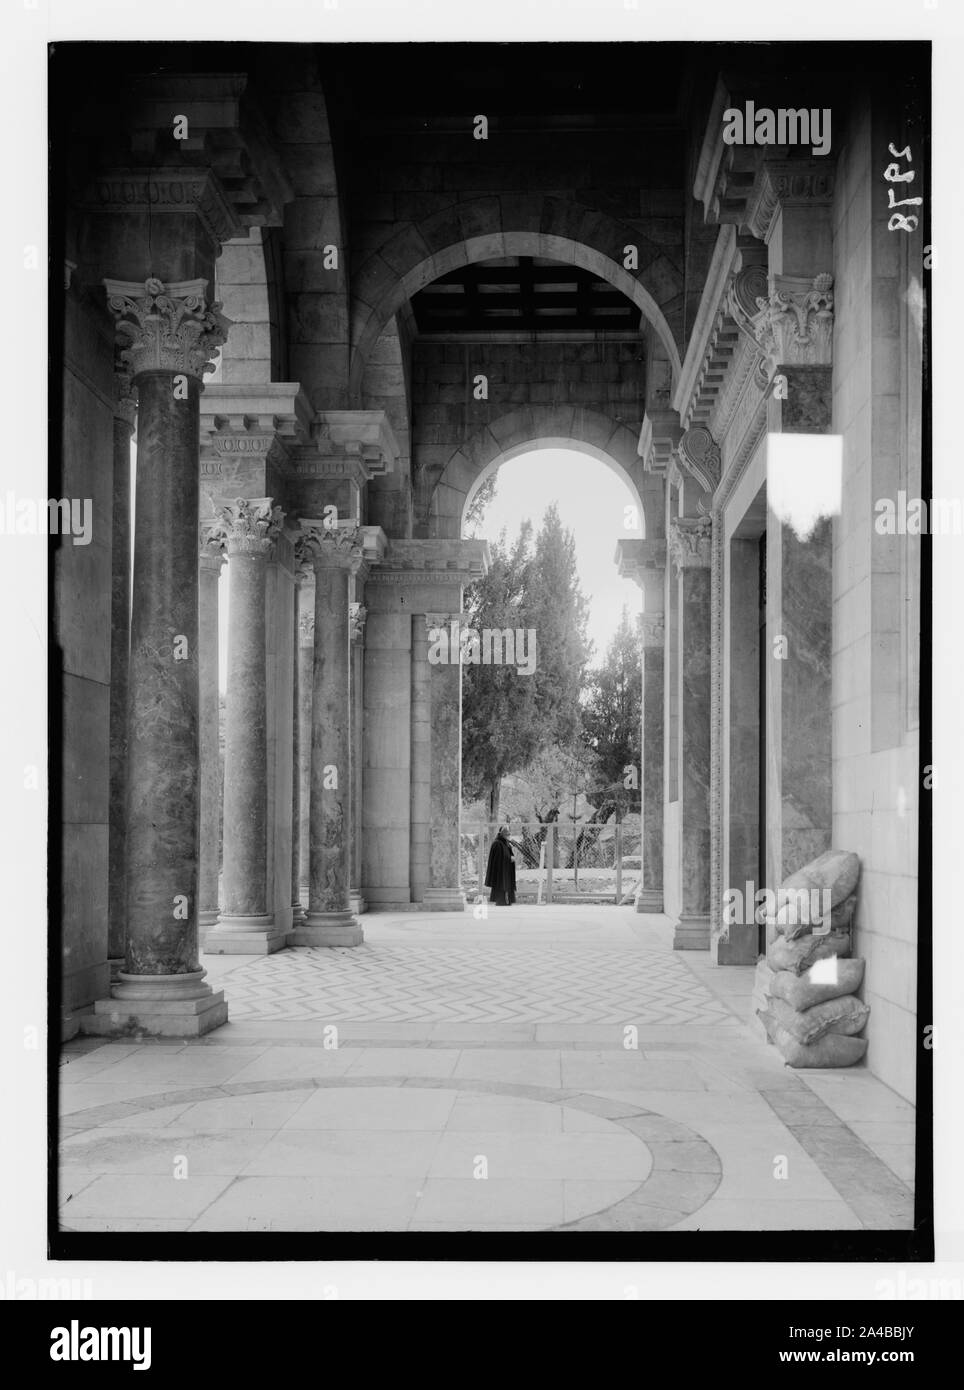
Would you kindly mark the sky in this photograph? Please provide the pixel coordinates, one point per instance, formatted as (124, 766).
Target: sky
(592, 501)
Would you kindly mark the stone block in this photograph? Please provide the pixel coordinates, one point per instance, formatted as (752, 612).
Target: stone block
(172, 1018)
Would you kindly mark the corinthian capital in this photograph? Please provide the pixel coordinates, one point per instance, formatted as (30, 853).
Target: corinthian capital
(324, 546)
(794, 321)
(166, 328)
(247, 526)
(689, 542)
(357, 613)
(306, 629)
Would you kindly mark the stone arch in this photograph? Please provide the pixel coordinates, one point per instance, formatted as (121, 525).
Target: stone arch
(443, 494)
(512, 225)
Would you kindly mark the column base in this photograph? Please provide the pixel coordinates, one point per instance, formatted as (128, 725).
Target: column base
(692, 934)
(327, 929)
(207, 916)
(443, 900)
(298, 913)
(649, 900)
(356, 902)
(160, 1006)
(244, 936)
(116, 964)
(737, 945)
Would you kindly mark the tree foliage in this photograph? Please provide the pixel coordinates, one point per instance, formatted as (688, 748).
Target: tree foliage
(612, 715)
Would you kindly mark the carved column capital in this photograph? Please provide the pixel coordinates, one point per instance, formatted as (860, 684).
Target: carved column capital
(357, 615)
(652, 629)
(167, 328)
(210, 547)
(690, 542)
(248, 526)
(794, 321)
(329, 546)
(306, 629)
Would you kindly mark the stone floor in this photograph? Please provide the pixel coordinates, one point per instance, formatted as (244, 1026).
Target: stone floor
(545, 1068)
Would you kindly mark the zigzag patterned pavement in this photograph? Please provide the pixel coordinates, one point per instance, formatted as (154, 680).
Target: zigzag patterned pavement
(498, 983)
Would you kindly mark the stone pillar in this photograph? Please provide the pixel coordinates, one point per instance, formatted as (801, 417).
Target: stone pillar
(306, 661)
(297, 910)
(245, 925)
(209, 570)
(170, 334)
(335, 552)
(689, 546)
(120, 637)
(444, 892)
(357, 615)
(650, 896)
(421, 817)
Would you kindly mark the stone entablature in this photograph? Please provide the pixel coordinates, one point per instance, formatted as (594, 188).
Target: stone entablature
(432, 562)
(166, 328)
(229, 168)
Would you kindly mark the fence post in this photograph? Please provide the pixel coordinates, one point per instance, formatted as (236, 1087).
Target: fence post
(619, 862)
(550, 845)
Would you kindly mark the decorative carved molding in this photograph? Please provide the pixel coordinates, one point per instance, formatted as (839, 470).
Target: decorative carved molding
(794, 322)
(169, 191)
(357, 616)
(210, 547)
(689, 542)
(699, 455)
(306, 629)
(652, 629)
(166, 328)
(786, 183)
(325, 546)
(248, 525)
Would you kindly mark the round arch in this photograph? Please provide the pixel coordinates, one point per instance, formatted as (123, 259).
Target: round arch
(444, 494)
(483, 229)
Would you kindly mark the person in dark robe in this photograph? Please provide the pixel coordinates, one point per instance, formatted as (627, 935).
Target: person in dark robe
(500, 873)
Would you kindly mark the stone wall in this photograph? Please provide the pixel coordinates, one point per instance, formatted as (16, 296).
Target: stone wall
(875, 740)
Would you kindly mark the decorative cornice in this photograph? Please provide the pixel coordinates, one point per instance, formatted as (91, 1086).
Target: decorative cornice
(794, 321)
(329, 546)
(176, 190)
(699, 456)
(689, 542)
(248, 525)
(357, 616)
(355, 444)
(786, 183)
(432, 562)
(166, 328)
(637, 559)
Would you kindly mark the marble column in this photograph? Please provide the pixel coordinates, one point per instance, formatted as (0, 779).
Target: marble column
(246, 925)
(210, 563)
(689, 546)
(420, 790)
(444, 892)
(120, 637)
(306, 663)
(170, 334)
(357, 615)
(335, 552)
(297, 910)
(652, 633)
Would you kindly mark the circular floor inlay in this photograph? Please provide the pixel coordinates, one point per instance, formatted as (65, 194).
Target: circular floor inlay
(384, 1153)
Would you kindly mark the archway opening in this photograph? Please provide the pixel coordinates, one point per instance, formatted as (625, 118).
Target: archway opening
(552, 678)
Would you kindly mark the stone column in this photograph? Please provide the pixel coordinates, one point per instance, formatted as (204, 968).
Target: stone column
(297, 910)
(306, 661)
(689, 546)
(120, 637)
(245, 925)
(652, 633)
(420, 799)
(170, 334)
(335, 552)
(444, 892)
(210, 563)
(357, 615)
